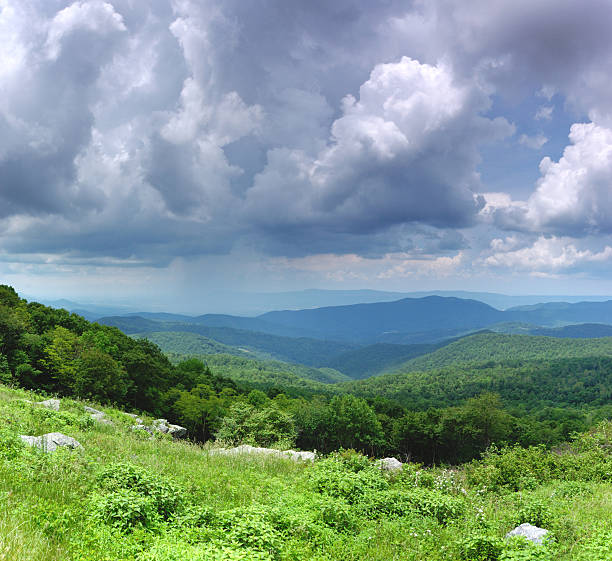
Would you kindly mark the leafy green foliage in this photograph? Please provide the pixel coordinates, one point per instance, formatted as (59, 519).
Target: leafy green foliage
(122, 498)
(244, 424)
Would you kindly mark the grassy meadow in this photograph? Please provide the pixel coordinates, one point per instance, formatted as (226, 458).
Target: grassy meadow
(127, 496)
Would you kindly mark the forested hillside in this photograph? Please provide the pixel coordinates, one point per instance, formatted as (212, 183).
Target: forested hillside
(266, 373)
(371, 322)
(500, 347)
(302, 350)
(60, 353)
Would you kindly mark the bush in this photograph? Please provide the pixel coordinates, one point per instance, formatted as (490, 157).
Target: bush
(11, 446)
(520, 549)
(423, 502)
(171, 550)
(336, 514)
(336, 478)
(163, 496)
(126, 510)
(598, 546)
(249, 528)
(535, 512)
(480, 547)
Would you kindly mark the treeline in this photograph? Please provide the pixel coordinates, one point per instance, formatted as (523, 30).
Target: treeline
(523, 386)
(58, 352)
(61, 353)
(502, 347)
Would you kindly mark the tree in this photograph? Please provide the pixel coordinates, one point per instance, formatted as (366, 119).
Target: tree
(486, 418)
(99, 376)
(200, 411)
(246, 425)
(353, 424)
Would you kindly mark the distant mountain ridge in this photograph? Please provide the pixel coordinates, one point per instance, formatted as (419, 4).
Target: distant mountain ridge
(371, 322)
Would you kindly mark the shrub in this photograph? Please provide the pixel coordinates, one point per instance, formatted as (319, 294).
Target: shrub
(335, 478)
(249, 528)
(126, 510)
(163, 496)
(597, 547)
(171, 550)
(414, 475)
(534, 511)
(520, 549)
(422, 502)
(336, 514)
(480, 547)
(11, 446)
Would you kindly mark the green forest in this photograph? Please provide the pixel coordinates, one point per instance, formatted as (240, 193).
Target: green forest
(445, 415)
(493, 430)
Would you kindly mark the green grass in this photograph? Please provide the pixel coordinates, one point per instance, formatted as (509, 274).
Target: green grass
(237, 507)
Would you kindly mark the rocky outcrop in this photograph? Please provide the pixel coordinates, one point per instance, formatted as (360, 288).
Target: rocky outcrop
(50, 404)
(142, 427)
(97, 415)
(247, 449)
(390, 464)
(163, 426)
(529, 532)
(176, 431)
(51, 441)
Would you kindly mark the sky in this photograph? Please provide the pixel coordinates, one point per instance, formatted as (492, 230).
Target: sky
(159, 151)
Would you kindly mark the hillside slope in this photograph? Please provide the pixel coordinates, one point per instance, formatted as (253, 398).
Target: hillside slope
(125, 496)
(500, 347)
(301, 350)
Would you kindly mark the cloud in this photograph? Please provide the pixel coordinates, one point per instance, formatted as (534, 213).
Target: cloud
(143, 132)
(405, 151)
(534, 142)
(545, 255)
(544, 113)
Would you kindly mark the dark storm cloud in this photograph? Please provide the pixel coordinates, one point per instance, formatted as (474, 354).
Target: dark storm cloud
(150, 130)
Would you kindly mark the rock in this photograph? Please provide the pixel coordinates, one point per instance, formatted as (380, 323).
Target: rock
(92, 410)
(161, 425)
(176, 431)
(101, 418)
(143, 427)
(51, 441)
(51, 404)
(97, 415)
(390, 464)
(248, 449)
(529, 532)
(31, 440)
(135, 417)
(304, 456)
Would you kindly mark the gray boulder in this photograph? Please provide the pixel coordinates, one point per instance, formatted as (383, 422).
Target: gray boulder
(248, 449)
(390, 464)
(31, 440)
(529, 532)
(143, 427)
(50, 404)
(304, 456)
(161, 425)
(51, 441)
(92, 410)
(97, 415)
(176, 431)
